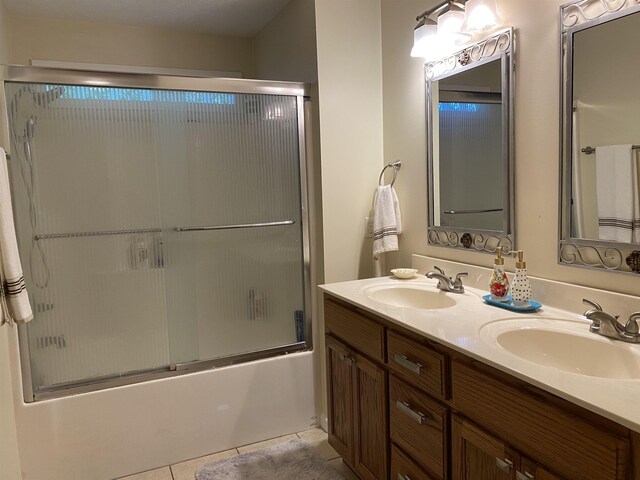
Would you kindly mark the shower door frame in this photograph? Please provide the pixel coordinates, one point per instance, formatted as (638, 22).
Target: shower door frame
(301, 91)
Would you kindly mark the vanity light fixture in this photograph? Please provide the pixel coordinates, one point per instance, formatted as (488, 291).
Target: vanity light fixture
(451, 23)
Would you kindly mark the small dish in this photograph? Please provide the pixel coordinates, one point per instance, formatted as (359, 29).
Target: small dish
(404, 273)
(531, 307)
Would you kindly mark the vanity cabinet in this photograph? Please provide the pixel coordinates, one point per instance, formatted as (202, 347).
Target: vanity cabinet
(407, 408)
(357, 391)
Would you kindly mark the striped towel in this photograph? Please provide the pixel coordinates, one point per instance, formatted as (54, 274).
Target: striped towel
(617, 193)
(14, 300)
(387, 221)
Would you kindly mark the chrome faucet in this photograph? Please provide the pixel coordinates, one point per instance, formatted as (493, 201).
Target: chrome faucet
(445, 283)
(608, 325)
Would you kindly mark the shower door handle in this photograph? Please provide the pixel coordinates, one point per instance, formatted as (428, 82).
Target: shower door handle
(230, 227)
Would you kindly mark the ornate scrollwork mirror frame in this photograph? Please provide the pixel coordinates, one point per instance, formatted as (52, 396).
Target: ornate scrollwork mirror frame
(498, 46)
(594, 254)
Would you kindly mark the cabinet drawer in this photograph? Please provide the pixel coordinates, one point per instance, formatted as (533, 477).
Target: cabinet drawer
(417, 364)
(418, 426)
(355, 329)
(403, 468)
(561, 441)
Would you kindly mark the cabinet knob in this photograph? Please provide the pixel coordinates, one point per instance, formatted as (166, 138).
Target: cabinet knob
(347, 359)
(408, 364)
(504, 464)
(418, 417)
(524, 476)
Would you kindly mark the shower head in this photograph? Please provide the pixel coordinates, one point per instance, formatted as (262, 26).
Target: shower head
(43, 99)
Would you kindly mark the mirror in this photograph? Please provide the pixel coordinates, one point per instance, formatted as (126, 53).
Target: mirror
(600, 213)
(469, 111)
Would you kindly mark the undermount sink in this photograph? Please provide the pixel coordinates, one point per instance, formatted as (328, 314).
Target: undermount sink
(410, 296)
(565, 345)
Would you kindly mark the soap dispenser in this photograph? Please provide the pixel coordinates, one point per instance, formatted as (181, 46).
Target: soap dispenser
(521, 287)
(499, 283)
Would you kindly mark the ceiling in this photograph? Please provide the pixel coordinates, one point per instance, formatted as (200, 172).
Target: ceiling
(227, 17)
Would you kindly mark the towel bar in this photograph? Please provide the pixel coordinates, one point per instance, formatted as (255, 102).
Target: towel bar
(396, 166)
(590, 150)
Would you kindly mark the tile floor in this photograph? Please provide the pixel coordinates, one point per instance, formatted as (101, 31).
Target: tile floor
(316, 437)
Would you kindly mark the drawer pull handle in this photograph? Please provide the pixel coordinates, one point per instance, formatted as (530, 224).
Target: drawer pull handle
(504, 465)
(347, 359)
(416, 416)
(408, 364)
(524, 476)
(403, 477)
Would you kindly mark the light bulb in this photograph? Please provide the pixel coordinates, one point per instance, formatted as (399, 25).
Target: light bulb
(450, 26)
(423, 37)
(481, 15)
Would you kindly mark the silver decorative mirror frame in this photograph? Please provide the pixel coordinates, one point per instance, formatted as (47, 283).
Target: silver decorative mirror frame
(601, 255)
(498, 46)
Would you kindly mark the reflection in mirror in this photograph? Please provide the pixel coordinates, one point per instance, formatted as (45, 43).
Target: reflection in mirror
(468, 154)
(600, 224)
(469, 111)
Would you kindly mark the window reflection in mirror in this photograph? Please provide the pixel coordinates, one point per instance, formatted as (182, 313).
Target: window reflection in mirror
(605, 180)
(468, 149)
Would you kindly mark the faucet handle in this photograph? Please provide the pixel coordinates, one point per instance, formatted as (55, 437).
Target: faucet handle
(461, 275)
(591, 303)
(439, 269)
(631, 326)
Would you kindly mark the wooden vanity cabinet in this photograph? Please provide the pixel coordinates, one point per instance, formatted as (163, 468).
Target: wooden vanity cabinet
(406, 408)
(357, 392)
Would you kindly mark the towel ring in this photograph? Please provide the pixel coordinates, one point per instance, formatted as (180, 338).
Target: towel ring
(396, 166)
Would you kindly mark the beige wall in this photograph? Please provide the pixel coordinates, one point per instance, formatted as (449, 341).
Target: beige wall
(537, 137)
(350, 82)
(285, 49)
(88, 42)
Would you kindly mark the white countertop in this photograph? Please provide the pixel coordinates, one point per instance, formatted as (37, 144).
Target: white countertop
(464, 328)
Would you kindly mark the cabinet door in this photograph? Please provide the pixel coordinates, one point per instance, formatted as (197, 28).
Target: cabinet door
(371, 454)
(340, 388)
(477, 455)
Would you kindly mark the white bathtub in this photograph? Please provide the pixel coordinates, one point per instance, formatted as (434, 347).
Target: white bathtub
(124, 430)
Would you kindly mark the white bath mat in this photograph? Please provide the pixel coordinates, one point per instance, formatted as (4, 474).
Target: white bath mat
(293, 460)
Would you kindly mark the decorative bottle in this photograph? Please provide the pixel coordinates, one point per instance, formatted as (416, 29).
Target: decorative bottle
(499, 283)
(521, 287)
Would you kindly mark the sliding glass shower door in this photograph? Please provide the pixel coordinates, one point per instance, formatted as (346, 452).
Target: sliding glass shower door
(158, 228)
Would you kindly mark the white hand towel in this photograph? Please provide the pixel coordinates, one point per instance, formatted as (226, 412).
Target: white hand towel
(14, 299)
(387, 221)
(617, 193)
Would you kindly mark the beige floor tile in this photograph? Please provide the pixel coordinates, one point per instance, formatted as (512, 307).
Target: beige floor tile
(342, 469)
(163, 473)
(266, 444)
(317, 438)
(187, 470)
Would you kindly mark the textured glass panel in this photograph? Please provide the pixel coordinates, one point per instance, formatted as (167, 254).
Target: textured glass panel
(102, 176)
(242, 287)
(471, 164)
(83, 163)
